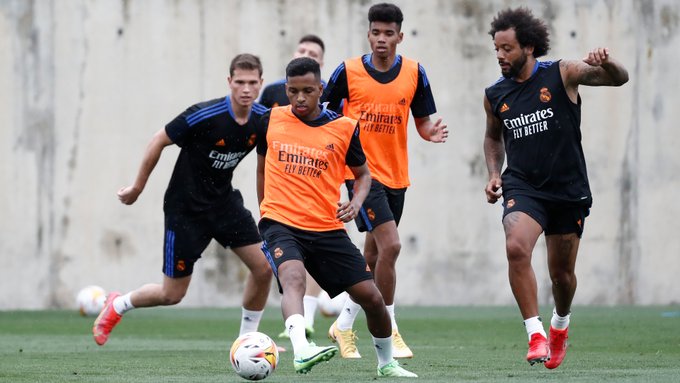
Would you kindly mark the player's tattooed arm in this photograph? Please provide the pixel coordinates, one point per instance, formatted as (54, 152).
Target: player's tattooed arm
(597, 68)
(494, 153)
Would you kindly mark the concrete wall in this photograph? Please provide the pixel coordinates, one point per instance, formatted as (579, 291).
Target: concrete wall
(84, 85)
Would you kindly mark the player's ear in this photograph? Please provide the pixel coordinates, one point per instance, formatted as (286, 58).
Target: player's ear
(401, 37)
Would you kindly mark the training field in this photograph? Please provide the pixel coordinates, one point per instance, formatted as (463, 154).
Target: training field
(451, 344)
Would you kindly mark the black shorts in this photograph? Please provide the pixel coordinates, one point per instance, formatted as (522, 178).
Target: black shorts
(330, 257)
(187, 235)
(554, 217)
(383, 204)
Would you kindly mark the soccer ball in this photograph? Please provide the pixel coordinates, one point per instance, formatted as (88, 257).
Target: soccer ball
(254, 356)
(90, 300)
(331, 307)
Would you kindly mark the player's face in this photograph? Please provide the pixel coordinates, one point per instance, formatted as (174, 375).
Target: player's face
(245, 86)
(511, 56)
(303, 93)
(384, 38)
(311, 50)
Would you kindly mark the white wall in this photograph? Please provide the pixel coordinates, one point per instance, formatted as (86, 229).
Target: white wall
(84, 85)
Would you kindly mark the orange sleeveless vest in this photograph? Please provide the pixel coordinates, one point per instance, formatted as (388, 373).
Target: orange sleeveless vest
(382, 111)
(304, 169)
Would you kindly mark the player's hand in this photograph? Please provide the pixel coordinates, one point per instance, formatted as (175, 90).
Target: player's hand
(346, 211)
(493, 190)
(597, 57)
(439, 132)
(128, 195)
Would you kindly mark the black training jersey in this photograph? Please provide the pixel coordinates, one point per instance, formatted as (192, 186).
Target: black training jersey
(275, 95)
(541, 130)
(212, 144)
(423, 102)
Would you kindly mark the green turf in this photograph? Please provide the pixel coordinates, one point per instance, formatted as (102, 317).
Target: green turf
(451, 344)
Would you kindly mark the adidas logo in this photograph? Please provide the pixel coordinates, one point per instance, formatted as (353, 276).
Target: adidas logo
(330, 147)
(220, 142)
(402, 101)
(504, 108)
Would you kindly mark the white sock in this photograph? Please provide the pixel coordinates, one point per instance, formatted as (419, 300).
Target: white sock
(558, 322)
(310, 304)
(390, 309)
(383, 348)
(534, 325)
(347, 315)
(295, 324)
(122, 304)
(250, 320)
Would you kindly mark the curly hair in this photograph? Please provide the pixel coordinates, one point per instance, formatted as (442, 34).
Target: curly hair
(301, 66)
(530, 31)
(386, 13)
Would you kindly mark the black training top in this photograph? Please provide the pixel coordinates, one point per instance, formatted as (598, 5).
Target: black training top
(212, 144)
(542, 135)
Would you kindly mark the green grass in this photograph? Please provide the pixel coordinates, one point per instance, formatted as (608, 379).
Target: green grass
(451, 344)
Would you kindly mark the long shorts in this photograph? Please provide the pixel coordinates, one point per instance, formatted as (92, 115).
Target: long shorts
(554, 217)
(187, 235)
(330, 257)
(383, 204)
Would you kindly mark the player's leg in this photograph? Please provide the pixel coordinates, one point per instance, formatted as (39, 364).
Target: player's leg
(233, 226)
(563, 237)
(562, 250)
(257, 286)
(170, 292)
(379, 325)
(311, 303)
(185, 240)
(386, 238)
(284, 252)
(521, 233)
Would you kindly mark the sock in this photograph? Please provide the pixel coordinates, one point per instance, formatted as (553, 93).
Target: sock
(558, 322)
(122, 304)
(383, 347)
(534, 325)
(296, 329)
(390, 309)
(250, 320)
(347, 315)
(310, 304)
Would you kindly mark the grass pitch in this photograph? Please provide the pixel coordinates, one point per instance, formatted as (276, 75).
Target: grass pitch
(451, 344)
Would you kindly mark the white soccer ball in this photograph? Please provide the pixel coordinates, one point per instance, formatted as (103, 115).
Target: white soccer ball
(90, 300)
(331, 307)
(254, 356)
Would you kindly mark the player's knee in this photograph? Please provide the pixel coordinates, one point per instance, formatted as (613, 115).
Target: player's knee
(390, 252)
(262, 275)
(373, 303)
(173, 297)
(516, 251)
(562, 277)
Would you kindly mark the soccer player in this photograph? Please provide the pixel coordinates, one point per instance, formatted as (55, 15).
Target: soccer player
(273, 95)
(533, 115)
(311, 46)
(200, 202)
(380, 87)
(302, 155)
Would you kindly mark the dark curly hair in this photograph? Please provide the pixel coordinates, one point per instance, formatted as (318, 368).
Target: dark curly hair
(386, 13)
(530, 31)
(301, 66)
